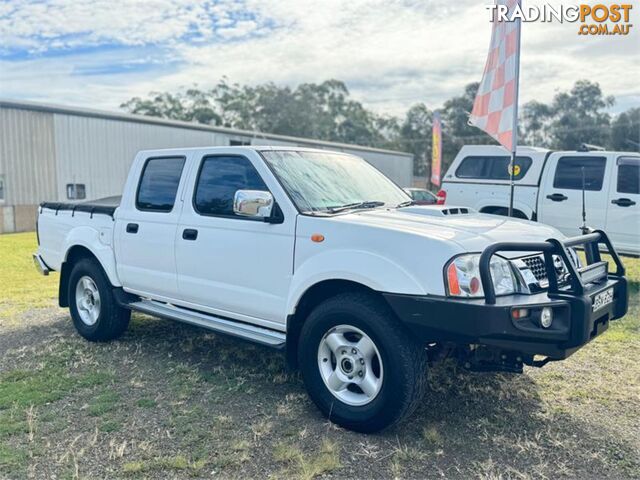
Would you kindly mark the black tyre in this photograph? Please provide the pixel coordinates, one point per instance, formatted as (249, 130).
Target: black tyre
(359, 364)
(95, 313)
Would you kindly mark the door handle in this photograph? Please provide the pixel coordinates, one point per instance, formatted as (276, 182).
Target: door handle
(557, 197)
(132, 228)
(189, 234)
(623, 202)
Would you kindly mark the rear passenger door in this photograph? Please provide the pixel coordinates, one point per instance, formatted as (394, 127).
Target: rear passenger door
(146, 228)
(228, 265)
(560, 197)
(623, 218)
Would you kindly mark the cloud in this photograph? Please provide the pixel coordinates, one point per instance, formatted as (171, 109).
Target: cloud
(37, 27)
(391, 53)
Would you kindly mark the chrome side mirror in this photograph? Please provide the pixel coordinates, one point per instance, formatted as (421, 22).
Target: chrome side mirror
(253, 203)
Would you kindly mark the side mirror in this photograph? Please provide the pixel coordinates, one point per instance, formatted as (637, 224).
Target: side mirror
(253, 203)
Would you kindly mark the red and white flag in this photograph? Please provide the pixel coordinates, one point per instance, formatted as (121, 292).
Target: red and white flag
(495, 109)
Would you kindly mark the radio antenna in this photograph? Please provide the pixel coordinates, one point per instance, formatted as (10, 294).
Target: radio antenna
(584, 227)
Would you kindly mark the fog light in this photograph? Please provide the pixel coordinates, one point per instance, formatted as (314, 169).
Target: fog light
(546, 317)
(520, 313)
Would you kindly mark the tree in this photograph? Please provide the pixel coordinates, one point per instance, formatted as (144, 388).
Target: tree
(325, 111)
(625, 131)
(534, 124)
(578, 117)
(165, 105)
(415, 137)
(322, 111)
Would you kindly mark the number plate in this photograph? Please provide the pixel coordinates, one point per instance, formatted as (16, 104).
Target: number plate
(602, 299)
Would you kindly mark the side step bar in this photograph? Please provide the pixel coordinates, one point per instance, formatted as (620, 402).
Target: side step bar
(263, 336)
(42, 267)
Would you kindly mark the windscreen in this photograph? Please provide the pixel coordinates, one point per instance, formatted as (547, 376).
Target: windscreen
(318, 181)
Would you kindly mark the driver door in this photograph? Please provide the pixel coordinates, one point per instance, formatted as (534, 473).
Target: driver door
(230, 265)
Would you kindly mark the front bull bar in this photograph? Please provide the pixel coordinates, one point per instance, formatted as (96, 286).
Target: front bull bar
(549, 248)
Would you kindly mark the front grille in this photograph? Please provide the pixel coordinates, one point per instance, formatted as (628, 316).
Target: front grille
(536, 265)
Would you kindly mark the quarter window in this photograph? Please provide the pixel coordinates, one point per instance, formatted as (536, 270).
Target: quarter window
(569, 173)
(219, 179)
(492, 167)
(159, 184)
(629, 175)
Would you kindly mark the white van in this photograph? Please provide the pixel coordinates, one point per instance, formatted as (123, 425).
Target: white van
(548, 188)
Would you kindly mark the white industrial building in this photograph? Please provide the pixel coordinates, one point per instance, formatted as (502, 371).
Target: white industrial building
(58, 153)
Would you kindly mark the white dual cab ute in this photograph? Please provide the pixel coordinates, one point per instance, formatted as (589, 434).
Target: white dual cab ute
(320, 255)
(549, 187)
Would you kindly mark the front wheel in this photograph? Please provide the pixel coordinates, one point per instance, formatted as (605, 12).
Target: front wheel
(360, 367)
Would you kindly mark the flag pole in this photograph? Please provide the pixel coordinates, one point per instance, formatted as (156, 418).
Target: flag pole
(514, 142)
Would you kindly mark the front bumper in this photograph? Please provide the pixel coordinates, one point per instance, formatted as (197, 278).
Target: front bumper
(465, 321)
(490, 321)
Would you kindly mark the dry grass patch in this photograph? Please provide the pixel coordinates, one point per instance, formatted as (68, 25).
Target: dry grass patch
(309, 466)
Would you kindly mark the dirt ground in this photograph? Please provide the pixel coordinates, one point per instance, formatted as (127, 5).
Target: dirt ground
(172, 401)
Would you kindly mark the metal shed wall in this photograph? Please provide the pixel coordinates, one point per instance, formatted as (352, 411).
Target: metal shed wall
(27, 156)
(98, 152)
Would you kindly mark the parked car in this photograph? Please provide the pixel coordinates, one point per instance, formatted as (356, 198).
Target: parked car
(320, 255)
(549, 188)
(421, 196)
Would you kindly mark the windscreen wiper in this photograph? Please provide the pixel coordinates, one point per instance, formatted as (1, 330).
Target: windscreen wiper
(408, 203)
(355, 206)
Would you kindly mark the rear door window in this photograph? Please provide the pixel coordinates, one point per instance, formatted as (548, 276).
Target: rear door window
(569, 173)
(492, 167)
(159, 184)
(628, 175)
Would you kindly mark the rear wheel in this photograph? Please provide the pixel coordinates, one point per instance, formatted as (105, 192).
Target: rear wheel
(95, 313)
(360, 367)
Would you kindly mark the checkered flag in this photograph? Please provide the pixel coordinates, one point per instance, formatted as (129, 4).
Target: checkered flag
(496, 103)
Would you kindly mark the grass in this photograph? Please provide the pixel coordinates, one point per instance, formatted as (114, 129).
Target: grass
(24, 388)
(309, 466)
(11, 458)
(176, 463)
(26, 289)
(173, 401)
(104, 403)
(146, 403)
(431, 436)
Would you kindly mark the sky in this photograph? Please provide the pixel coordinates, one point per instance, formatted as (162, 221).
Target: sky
(390, 53)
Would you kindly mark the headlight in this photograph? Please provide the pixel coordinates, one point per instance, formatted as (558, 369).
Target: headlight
(463, 276)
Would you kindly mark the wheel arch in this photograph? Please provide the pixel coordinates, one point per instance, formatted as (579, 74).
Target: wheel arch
(313, 296)
(73, 255)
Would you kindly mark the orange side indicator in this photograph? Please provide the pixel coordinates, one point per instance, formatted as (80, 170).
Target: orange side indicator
(316, 237)
(452, 277)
